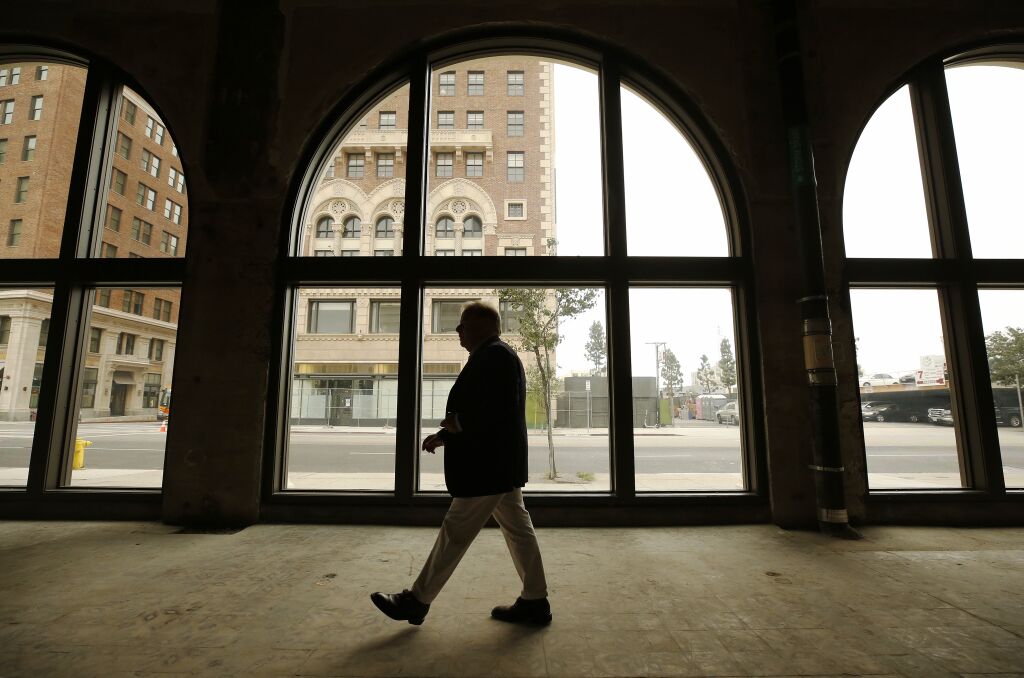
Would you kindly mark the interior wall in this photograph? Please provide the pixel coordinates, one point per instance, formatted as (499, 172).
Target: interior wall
(246, 87)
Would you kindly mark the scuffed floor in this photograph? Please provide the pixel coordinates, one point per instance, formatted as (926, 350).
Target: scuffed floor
(109, 599)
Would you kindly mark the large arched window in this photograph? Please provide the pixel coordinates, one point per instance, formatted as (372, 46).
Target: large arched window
(930, 218)
(444, 228)
(352, 228)
(385, 227)
(623, 147)
(325, 227)
(126, 201)
(472, 227)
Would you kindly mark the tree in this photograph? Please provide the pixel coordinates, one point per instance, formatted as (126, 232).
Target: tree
(597, 348)
(538, 311)
(727, 364)
(671, 371)
(1006, 355)
(706, 375)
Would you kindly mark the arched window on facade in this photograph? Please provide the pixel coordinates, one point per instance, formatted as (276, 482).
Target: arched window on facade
(351, 228)
(325, 227)
(473, 227)
(444, 228)
(385, 227)
(133, 205)
(931, 196)
(676, 360)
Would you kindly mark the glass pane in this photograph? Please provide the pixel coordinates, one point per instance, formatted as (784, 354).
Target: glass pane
(38, 134)
(358, 206)
(344, 389)
(1002, 314)
(124, 388)
(494, 158)
(685, 391)
(146, 211)
(570, 392)
(987, 103)
(904, 390)
(884, 212)
(24, 317)
(660, 166)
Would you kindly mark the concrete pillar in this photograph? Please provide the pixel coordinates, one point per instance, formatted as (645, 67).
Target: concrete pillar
(399, 228)
(338, 230)
(459, 231)
(20, 366)
(215, 450)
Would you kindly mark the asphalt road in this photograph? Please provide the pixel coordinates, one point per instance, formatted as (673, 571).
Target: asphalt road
(892, 448)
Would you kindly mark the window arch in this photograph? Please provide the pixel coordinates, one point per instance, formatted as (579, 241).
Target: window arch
(926, 205)
(444, 228)
(385, 227)
(569, 265)
(473, 227)
(351, 228)
(325, 227)
(132, 201)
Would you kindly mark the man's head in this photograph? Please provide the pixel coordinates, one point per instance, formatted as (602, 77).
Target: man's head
(479, 322)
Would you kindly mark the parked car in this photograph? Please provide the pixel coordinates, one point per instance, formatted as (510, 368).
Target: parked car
(1005, 416)
(1008, 416)
(909, 378)
(868, 407)
(942, 416)
(880, 379)
(730, 414)
(885, 411)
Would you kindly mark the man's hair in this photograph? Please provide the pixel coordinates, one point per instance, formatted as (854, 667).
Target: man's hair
(485, 312)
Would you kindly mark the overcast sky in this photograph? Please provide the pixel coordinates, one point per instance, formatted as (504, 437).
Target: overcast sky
(672, 208)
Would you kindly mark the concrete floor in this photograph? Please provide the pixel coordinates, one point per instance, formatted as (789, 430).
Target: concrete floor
(108, 599)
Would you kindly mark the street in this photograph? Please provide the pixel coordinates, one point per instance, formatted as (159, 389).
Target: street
(700, 448)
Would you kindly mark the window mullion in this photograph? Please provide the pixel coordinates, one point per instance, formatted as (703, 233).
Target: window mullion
(619, 360)
(972, 398)
(409, 350)
(56, 392)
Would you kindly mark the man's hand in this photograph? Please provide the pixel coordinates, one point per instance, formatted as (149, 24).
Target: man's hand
(432, 442)
(448, 424)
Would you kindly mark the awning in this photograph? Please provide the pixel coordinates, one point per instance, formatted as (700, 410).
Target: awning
(123, 377)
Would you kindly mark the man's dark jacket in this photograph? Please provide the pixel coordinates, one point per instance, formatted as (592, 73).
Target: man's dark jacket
(488, 456)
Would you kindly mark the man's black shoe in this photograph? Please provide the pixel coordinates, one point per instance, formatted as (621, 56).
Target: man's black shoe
(532, 612)
(401, 606)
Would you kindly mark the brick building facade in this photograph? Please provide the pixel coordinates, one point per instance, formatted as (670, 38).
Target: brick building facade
(490, 192)
(129, 352)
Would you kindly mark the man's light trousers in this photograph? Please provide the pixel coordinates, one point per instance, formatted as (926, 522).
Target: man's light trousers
(464, 520)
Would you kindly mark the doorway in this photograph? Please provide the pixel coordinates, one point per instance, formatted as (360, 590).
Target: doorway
(118, 399)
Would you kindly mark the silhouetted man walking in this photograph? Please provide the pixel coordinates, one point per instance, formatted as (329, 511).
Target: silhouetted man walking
(485, 469)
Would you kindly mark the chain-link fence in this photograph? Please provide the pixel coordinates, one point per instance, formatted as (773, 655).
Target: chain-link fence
(580, 410)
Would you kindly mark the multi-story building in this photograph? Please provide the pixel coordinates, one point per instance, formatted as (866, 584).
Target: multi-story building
(490, 193)
(129, 354)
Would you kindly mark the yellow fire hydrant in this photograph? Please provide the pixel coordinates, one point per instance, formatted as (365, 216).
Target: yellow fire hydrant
(79, 460)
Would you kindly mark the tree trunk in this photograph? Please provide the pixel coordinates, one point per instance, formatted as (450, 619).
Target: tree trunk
(544, 367)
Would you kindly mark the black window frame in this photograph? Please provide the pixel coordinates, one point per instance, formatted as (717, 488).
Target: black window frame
(615, 272)
(74, 277)
(955, 275)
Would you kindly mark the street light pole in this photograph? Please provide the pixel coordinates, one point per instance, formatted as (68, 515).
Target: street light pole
(657, 371)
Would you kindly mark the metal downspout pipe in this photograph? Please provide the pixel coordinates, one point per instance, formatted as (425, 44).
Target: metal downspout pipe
(817, 327)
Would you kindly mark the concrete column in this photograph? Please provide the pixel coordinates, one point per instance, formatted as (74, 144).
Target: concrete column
(338, 230)
(399, 228)
(215, 448)
(20, 367)
(459, 231)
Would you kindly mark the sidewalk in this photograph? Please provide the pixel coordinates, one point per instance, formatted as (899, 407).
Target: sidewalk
(678, 429)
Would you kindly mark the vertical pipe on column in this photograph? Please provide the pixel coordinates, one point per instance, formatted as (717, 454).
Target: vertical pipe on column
(817, 327)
